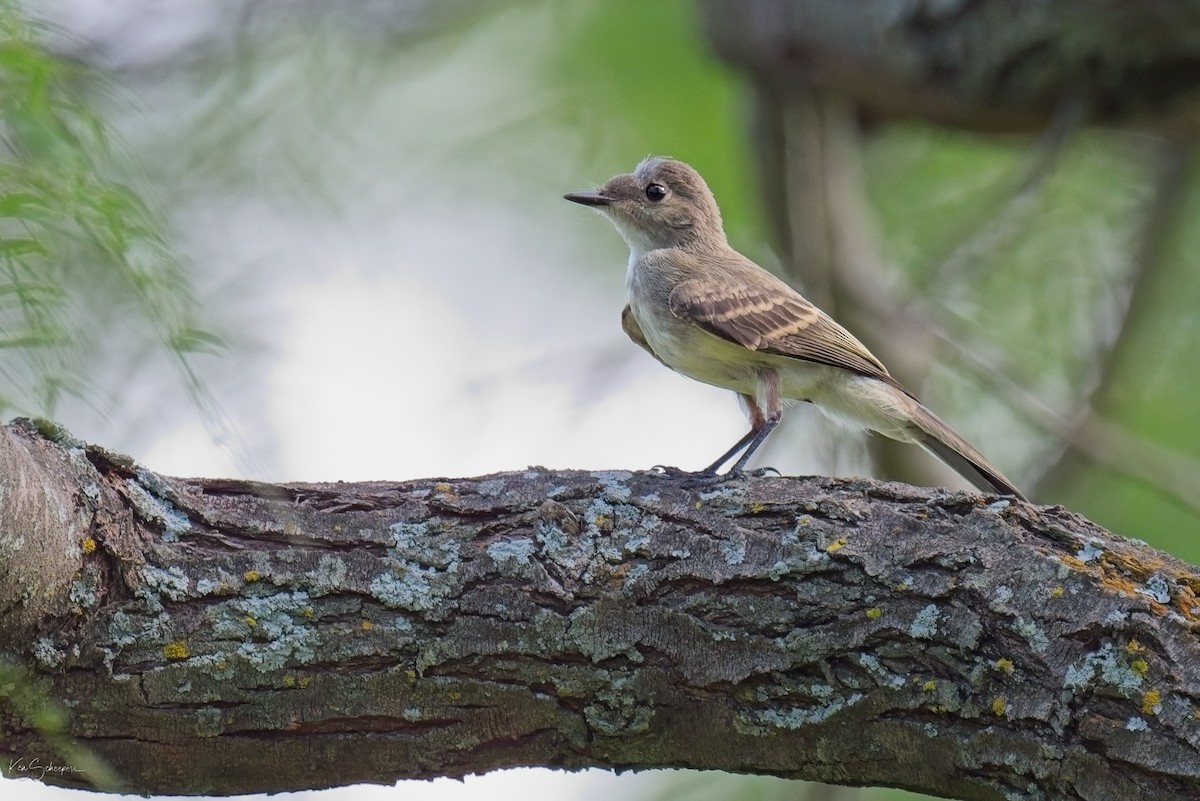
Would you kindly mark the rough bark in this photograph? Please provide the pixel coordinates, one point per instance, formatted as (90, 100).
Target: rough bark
(1000, 65)
(210, 636)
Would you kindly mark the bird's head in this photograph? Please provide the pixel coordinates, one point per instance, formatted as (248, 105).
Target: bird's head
(663, 203)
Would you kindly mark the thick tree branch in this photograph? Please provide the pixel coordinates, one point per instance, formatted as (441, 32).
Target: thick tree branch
(208, 636)
(1003, 65)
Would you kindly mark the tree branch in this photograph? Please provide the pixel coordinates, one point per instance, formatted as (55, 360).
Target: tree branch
(211, 636)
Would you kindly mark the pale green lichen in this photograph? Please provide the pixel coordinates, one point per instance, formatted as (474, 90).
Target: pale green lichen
(636, 572)
(157, 510)
(328, 576)
(47, 653)
(1032, 634)
(925, 625)
(1090, 551)
(1156, 589)
(170, 583)
(411, 587)
(1104, 665)
(734, 550)
(767, 721)
(518, 551)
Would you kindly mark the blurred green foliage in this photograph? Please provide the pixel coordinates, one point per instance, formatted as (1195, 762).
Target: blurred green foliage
(84, 261)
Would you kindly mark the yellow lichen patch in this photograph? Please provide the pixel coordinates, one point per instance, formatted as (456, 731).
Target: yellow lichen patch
(337, 527)
(874, 613)
(697, 504)
(939, 709)
(836, 545)
(251, 576)
(1004, 664)
(249, 621)
(88, 545)
(221, 664)
(308, 613)
(443, 488)
(1151, 701)
(929, 686)
(1134, 647)
(175, 650)
(289, 681)
(999, 705)
(757, 508)
(1057, 592)
(304, 681)
(922, 515)
(1140, 667)
(366, 625)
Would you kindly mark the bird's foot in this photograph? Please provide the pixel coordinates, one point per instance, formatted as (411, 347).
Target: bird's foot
(690, 477)
(760, 472)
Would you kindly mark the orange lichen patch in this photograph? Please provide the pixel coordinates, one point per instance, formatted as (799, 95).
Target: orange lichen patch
(999, 705)
(1074, 563)
(1151, 702)
(1125, 574)
(1138, 566)
(88, 545)
(1186, 602)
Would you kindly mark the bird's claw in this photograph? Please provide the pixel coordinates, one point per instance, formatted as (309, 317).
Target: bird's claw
(692, 478)
(760, 472)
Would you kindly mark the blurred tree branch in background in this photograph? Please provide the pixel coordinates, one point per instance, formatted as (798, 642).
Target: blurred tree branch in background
(208, 636)
(828, 75)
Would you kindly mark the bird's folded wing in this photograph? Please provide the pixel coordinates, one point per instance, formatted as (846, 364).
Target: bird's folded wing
(776, 319)
(629, 325)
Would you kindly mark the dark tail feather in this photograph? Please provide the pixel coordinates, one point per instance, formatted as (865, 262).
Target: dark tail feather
(944, 442)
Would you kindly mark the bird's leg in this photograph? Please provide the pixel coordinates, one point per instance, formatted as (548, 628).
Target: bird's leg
(712, 469)
(757, 422)
(767, 397)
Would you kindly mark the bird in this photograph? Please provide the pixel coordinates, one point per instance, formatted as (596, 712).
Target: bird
(706, 311)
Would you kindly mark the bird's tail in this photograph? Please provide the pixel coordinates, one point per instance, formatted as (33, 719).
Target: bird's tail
(945, 443)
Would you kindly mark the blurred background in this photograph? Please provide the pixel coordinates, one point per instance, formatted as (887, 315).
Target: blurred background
(293, 240)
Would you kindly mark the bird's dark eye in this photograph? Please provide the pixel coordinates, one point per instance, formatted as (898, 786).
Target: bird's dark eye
(656, 192)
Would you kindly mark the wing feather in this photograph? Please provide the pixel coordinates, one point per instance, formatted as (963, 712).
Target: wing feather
(771, 317)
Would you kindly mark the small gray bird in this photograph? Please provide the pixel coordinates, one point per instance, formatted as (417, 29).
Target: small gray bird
(706, 311)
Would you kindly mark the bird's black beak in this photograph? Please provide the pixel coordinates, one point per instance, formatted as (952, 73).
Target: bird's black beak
(592, 197)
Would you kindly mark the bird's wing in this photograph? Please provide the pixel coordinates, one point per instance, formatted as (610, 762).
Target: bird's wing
(629, 325)
(771, 317)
